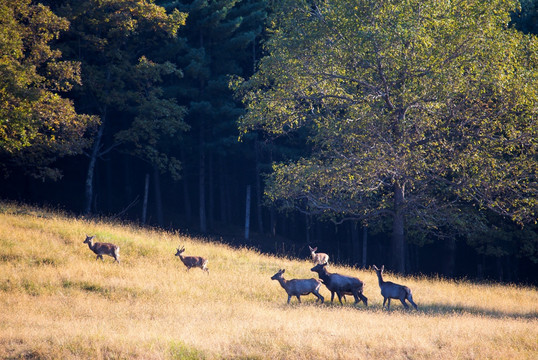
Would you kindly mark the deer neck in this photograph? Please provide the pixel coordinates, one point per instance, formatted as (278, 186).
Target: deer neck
(283, 282)
(380, 278)
(90, 245)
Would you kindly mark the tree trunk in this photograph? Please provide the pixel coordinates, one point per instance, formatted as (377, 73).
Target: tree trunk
(211, 193)
(187, 203)
(259, 207)
(364, 246)
(247, 214)
(91, 167)
(201, 187)
(355, 242)
(145, 203)
(398, 237)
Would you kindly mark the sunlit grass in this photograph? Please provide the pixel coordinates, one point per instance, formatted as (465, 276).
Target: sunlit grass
(57, 301)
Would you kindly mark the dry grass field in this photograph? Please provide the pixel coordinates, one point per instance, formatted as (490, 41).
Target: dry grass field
(58, 302)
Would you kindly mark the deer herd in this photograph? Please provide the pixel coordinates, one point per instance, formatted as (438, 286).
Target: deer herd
(338, 284)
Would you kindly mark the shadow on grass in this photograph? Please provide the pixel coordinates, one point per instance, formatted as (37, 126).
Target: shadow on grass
(431, 309)
(443, 309)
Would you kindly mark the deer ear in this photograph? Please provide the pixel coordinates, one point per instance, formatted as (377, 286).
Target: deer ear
(375, 267)
(315, 249)
(382, 267)
(283, 271)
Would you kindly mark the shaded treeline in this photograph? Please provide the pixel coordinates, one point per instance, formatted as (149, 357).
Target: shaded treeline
(184, 168)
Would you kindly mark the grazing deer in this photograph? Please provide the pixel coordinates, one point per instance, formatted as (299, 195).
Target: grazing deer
(341, 284)
(103, 248)
(319, 258)
(298, 287)
(192, 261)
(390, 290)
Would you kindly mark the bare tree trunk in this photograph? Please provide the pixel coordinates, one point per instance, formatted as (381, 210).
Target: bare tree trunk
(187, 203)
(145, 204)
(247, 214)
(364, 246)
(201, 187)
(355, 246)
(398, 237)
(91, 166)
(259, 202)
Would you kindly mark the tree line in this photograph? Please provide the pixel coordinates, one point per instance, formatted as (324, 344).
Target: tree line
(379, 131)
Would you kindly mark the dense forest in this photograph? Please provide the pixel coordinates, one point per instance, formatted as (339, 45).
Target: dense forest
(386, 132)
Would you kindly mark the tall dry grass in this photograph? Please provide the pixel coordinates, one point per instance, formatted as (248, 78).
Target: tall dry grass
(57, 301)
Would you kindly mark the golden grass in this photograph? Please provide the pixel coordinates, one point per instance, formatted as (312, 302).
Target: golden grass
(57, 302)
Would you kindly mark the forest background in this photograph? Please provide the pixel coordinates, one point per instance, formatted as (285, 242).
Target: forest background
(124, 109)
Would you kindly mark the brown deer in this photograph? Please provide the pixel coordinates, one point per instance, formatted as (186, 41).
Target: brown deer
(192, 261)
(390, 290)
(319, 258)
(103, 248)
(341, 284)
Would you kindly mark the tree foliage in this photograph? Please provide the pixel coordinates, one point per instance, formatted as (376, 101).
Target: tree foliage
(37, 123)
(414, 110)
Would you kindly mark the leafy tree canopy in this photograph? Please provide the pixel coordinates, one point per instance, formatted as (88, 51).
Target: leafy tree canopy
(37, 124)
(413, 108)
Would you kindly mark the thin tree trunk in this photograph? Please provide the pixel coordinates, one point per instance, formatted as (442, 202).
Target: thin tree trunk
(145, 204)
(355, 246)
(247, 214)
(211, 191)
(91, 166)
(259, 207)
(398, 237)
(364, 245)
(187, 203)
(201, 188)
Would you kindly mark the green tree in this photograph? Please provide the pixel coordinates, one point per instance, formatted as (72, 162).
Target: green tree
(115, 40)
(220, 41)
(414, 111)
(37, 123)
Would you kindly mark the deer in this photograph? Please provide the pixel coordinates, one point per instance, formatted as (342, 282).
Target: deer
(103, 248)
(341, 284)
(390, 290)
(298, 287)
(192, 261)
(319, 258)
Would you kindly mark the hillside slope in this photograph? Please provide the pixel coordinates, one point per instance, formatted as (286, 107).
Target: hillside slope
(57, 301)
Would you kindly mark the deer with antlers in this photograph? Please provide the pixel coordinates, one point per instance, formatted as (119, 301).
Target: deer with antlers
(192, 261)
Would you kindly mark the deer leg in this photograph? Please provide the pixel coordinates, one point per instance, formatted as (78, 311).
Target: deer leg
(388, 305)
(384, 301)
(298, 298)
(364, 299)
(404, 303)
(339, 297)
(320, 297)
(410, 298)
(332, 296)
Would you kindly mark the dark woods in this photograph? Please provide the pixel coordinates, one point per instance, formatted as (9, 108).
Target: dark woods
(165, 152)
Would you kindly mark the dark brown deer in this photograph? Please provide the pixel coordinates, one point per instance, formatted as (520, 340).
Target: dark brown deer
(390, 290)
(192, 261)
(341, 284)
(319, 258)
(298, 287)
(103, 248)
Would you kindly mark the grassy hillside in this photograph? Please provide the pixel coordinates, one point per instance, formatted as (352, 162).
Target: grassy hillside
(57, 301)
